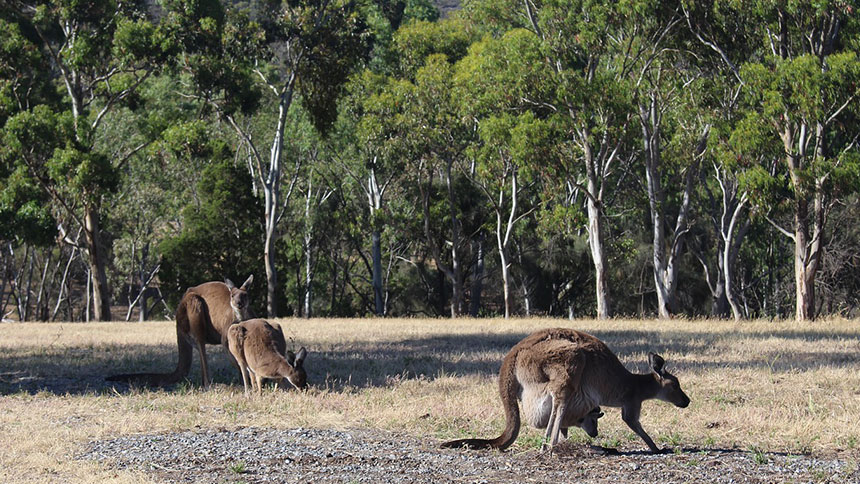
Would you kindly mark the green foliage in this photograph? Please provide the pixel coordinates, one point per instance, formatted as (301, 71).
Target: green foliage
(19, 63)
(489, 81)
(143, 137)
(24, 212)
(332, 54)
(416, 41)
(33, 143)
(220, 237)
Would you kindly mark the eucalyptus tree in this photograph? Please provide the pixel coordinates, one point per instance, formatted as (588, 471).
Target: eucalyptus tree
(98, 54)
(511, 152)
(659, 77)
(25, 211)
(802, 98)
(589, 56)
(514, 137)
(433, 137)
(375, 157)
(316, 194)
(437, 143)
(291, 49)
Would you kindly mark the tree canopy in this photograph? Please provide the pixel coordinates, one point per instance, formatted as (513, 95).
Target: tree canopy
(373, 157)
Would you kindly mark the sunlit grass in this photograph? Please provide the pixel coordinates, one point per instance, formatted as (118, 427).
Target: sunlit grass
(758, 386)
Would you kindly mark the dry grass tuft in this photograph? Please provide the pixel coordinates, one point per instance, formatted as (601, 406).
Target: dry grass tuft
(768, 386)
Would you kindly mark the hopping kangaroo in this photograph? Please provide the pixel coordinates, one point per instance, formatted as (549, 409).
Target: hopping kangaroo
(561, 375)
(259, 347)
(203, 316)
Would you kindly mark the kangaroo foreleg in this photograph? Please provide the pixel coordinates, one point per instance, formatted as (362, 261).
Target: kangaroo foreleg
(630, 415)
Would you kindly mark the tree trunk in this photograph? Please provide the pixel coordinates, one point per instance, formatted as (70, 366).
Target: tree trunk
(595, 244)
(101, 295)
(477, 277)
(595, 229)
(376, 254)
(505, 240)
(720, 307)
(804, 278)
(456, 279)
(448, 272)
(308, 303)
(374, 198)
(89, 290)
(503, 262)
(272, 189)
(143, 314)
(808, 227)
(665, 265)
(731, 247)
(29, 289)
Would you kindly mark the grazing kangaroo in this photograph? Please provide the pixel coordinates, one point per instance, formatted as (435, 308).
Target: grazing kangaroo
(259, 348)
(561, 374)
(203, 316)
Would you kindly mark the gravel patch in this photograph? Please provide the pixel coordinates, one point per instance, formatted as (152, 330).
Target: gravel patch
(255, 455)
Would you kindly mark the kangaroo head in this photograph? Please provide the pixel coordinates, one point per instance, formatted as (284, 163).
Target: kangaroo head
(239, 298)
(670, 389)
(296, 374)
(589, 422)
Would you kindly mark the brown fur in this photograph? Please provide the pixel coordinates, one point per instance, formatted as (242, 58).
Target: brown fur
(259, 347)
(203, 316)
(561, 375)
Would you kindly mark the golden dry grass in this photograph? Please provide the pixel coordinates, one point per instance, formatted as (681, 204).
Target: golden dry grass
(767, 386)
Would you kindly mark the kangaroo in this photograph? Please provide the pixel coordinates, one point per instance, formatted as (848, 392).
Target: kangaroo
(259, 348)
(561, 374)
(203, 316)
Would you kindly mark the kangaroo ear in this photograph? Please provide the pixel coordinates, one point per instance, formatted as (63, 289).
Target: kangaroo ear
(247, 282)
(291, 358)
(229, 283)
(300, 356)
(656, 361)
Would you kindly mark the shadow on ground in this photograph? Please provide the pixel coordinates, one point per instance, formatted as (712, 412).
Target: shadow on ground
(77, 370)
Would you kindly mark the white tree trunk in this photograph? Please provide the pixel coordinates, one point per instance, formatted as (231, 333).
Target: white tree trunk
(503, 235)
(456, 279)
(595, 231)
(308, 240)
(374, 198)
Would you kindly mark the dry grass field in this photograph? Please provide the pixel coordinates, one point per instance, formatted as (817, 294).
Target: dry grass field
(756, 387)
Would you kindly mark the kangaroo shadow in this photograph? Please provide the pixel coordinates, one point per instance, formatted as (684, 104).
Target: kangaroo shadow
(718, 451)
(361, 364)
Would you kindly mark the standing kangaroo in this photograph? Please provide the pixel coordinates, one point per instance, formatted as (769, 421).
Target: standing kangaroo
(259, 347)
(203, 316)
(561, 374)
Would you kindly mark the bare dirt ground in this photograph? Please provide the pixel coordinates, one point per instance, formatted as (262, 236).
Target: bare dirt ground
(306, 455)
(303, 455)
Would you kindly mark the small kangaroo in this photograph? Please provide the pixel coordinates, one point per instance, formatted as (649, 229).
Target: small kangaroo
(203, 316)
(587, 423)
(561, 375)
(259, 347)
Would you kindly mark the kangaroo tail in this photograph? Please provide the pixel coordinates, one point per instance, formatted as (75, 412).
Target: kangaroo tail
(183, 367)
(509, 388)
